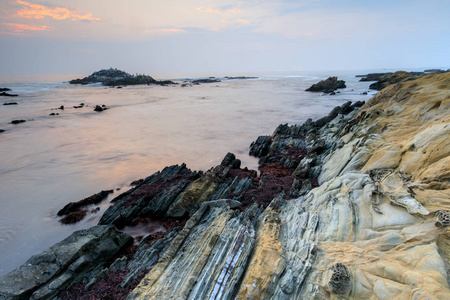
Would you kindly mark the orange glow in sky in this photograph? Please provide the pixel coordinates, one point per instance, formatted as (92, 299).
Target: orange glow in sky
(37, 11)
(19, 28)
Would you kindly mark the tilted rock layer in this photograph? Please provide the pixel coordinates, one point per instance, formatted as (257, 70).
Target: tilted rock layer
(375, 225)
(371, 230)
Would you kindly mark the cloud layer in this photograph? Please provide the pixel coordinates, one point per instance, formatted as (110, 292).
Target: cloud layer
(231, 34)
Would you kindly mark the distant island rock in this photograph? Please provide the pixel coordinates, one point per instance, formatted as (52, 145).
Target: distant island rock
(115, 77)
(328, 85)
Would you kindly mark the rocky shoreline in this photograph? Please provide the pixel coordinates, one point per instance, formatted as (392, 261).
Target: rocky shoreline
(353, 205)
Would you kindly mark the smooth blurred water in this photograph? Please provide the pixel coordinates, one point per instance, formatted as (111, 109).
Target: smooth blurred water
(52, 160)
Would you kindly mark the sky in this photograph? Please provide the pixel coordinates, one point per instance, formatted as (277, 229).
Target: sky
(221, 37)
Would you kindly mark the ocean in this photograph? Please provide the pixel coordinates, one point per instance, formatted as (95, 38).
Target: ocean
(51, 160)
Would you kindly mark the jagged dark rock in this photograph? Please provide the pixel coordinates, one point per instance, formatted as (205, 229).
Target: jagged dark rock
(10, 103)
(4, 89)
(373, 76)
(75, 212)
(82, 253)
(17, 121)
(115, 77)
(150, 198)
(388, 79)
(328, 85)
(340, 279)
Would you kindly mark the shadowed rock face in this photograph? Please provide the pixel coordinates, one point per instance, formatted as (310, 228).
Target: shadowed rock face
(374, 226)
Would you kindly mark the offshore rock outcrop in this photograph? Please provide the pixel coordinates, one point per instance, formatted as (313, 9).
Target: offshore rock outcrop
(350, 206)
(115, 77)
(328, 85)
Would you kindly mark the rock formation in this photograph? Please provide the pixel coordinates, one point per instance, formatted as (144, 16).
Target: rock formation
(328, 85)
(44, 275)
(350, 206)
(115, 77)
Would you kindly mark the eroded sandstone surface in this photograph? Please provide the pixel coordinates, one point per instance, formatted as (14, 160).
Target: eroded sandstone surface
(350, 206)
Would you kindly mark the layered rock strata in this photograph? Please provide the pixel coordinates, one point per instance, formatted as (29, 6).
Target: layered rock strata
(350, 206)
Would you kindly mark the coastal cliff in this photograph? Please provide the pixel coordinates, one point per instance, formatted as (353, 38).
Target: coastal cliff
(350, 206)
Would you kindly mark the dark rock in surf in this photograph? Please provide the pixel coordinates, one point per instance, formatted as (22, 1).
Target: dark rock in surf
(8, 95)
(328, 85)
(75, 206)
(114, 77)
(399, 76)
(99, 108)
(18, 121)
(10, 103)
(373, 76)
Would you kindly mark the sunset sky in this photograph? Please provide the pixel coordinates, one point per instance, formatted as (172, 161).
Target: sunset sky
(221, 36)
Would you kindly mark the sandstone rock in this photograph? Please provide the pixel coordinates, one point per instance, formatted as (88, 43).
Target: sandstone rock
(367, 231)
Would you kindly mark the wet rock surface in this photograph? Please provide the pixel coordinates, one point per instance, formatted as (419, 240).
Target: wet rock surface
(75, 211)
(350, 206)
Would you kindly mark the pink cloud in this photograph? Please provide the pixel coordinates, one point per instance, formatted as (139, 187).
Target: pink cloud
(20, 28)
(37, 11)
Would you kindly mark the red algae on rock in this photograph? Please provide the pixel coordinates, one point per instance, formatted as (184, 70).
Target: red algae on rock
(107, 287)
(74, 217)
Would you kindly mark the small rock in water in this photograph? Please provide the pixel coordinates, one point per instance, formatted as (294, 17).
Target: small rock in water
(79, 106)
(8, 95)
(10, 103)
(98, 108)
(17, 121)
